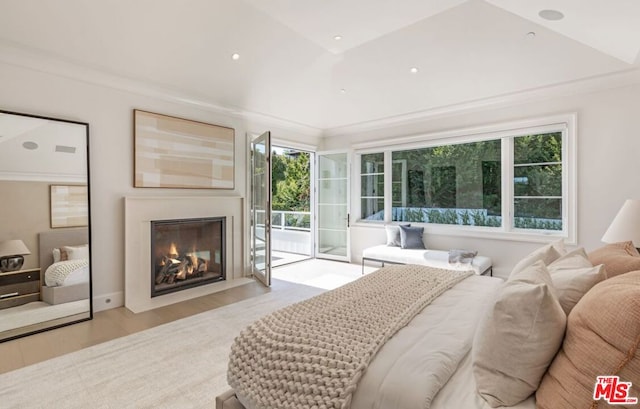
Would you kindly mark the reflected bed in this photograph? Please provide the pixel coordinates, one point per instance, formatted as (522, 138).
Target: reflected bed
(55, 239)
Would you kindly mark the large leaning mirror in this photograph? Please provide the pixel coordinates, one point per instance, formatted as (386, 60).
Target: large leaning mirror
(45, 269)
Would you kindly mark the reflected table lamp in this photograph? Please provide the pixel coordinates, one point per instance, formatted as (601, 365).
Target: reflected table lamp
(11, 252)
(626, 225)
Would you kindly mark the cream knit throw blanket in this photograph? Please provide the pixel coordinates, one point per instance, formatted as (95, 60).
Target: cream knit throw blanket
(313, 353)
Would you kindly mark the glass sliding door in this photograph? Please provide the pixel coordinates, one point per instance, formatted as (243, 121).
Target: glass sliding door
(261, 208)
(332, 232)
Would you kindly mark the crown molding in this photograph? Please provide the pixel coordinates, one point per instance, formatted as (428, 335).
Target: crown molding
(582, 86)
(41, 61)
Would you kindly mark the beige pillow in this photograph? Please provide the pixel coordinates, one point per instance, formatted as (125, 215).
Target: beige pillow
(76, 252)
(517, 340)
(547, 254)
(573, 275)
(618, 258)
(603, 333)
(558, 245)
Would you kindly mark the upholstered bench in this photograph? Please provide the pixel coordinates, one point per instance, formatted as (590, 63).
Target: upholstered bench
(435, 258)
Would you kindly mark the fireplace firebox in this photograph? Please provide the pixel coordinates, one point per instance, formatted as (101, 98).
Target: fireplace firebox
(186, 253)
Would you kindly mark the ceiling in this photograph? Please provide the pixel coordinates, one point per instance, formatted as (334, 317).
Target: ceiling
(43, 150)
(291, 67)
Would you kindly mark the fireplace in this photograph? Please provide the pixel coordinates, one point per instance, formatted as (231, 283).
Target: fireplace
(186, 253)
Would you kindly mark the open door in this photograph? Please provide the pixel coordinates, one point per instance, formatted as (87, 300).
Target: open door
(261, 208)
(332, 206)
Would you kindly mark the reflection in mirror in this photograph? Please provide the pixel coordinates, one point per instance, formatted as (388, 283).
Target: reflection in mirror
(45, 279)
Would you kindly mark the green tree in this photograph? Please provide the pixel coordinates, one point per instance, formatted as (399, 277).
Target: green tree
(468, 176)
(278, 165)
(291, 177)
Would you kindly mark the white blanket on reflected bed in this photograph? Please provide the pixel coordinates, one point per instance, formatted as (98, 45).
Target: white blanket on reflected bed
(67, 272)
(413, 366)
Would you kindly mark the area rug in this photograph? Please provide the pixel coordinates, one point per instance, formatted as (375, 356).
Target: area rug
(181, 364)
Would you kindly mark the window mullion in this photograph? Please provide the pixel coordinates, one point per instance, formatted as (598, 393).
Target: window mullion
(507, 184)
(388, 181)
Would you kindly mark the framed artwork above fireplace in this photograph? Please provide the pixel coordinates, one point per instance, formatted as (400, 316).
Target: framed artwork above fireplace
(172, 152)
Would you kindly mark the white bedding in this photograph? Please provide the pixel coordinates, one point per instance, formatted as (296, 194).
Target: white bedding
(460, 392)
(427, 364)
(418, 361)
(67, 272)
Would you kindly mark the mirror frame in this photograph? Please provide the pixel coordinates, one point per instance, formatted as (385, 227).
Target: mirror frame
(89, 235)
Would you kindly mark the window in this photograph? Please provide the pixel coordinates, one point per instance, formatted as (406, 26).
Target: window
(537, 181)
(518, 180)
(372, 186)
(449, 184)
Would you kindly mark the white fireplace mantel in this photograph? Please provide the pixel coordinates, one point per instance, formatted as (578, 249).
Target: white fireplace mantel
(138, 214)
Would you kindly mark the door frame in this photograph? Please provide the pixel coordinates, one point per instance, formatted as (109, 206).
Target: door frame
(280, 143)
(264, 276)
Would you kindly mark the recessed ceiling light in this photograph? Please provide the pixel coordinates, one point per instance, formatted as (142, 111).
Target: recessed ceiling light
(235, 56)
(343, 91)
(337, 37)
(552, 15)
(414, 70)
(531, 35)
(30, 145)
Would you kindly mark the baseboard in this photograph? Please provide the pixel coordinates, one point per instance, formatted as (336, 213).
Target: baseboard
(108, 301)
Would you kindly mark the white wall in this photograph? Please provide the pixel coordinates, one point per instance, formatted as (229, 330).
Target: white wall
(109, 112)
(608, 148)
(608, 142)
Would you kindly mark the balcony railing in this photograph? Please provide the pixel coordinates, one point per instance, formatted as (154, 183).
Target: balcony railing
(290, 231)
(290, 220)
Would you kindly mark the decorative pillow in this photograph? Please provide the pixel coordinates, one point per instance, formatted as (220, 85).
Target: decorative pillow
(603, 333)
(56, 255)
(461, 256)
(518, 338)
(573, 275)
(76, 252)
(558, 245)
(411, 237)
(393, 234)
(618, 258)
(547, 254)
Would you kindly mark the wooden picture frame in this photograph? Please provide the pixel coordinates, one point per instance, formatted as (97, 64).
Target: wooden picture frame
(171, 152)
(69, 206)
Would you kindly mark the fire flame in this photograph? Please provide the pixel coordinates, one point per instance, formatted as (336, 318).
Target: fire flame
(173, 251)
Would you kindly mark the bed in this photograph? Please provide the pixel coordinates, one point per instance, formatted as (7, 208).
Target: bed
(67, 279)
(447, 354)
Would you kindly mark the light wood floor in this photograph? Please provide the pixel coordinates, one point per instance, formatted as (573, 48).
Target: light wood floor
(115, 323)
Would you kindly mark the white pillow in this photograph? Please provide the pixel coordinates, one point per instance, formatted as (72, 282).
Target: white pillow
(573, 275)
(393, 234)
(77, 252)
(517, 340)
(547, 254)
(559, 246)
(56, 255)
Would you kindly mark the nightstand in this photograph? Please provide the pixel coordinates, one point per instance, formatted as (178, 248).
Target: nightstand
(19, 287)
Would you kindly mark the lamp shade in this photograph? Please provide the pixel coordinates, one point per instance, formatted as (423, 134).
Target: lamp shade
(13, 248)
(626, 225)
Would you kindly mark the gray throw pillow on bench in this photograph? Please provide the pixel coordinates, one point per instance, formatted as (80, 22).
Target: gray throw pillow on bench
(411, 237)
